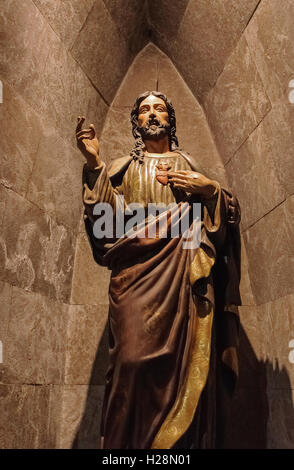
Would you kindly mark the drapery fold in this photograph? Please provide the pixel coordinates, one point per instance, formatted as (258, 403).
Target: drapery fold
(167, 335)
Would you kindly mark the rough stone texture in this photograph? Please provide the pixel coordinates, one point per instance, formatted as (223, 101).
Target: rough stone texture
(20, 135)
(36, 252)
(129, 17)
(269, 245)
(36, 63)
(56, 180)
(34, 343)
(116, 139)
(5, 301)
(28, 427)
(84, 344)
(280, 426)
(55, 410)
(279, 129)
(141, 76)
(270, 36)
(65, 17)
(258, 190)
(277, 322)
(90, 281)
(106, 65)
(61, 80)
(81, 414)
(96, 111)
(237, 103)
(23, 50)
(201, 44)
(166, 16)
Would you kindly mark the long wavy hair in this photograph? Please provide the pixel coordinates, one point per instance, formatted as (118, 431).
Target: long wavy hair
(137, 153)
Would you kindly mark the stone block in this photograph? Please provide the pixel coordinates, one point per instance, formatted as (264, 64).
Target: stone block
(36, 253)
(85, 349)
(55, 185)
(65, 17)
(24, 416)
(141, 76)
(129, 17)
(20, 134)
(24, 44)
(5, 301)
(280, 426)
(34, 345)
(117, 139)
(101, 52)
(55, 410)
(90, 281)
(277, 327)
(63, 93)
(270, 36)
(207, 35)
(96, 112)
(237, 103)
(279, 128)
(166, 16)
(81, 416)
(269, 245)
(40, 68)
(253, 176)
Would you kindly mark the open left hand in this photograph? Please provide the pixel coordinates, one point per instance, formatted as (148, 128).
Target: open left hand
(192, 182)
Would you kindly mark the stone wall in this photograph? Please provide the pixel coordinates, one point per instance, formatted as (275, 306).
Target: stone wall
(252, 121)
(199, 36)
(61, 59)
(51, 73)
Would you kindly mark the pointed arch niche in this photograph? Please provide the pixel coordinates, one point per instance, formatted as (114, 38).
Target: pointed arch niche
(86, 360)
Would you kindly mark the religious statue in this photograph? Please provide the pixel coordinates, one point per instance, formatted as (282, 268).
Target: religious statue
(173, 320)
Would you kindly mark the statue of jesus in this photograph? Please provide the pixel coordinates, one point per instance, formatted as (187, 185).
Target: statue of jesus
(173, 322)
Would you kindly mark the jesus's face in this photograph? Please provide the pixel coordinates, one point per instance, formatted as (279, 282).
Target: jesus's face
(153, 118)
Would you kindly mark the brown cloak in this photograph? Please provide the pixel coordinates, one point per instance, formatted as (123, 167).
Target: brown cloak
(173, 325)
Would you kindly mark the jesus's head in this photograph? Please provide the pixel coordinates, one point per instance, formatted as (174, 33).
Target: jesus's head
(152, 118)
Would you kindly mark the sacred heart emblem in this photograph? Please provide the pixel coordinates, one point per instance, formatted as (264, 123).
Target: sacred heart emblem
(162, 168)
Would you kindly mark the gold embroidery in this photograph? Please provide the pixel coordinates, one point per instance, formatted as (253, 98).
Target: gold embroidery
(181, 415)
(200, 266)
(154, 319)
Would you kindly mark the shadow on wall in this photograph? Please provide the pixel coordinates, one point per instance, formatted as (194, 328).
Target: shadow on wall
(250, 407)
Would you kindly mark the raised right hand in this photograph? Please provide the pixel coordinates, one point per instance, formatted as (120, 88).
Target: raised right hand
(87, 142)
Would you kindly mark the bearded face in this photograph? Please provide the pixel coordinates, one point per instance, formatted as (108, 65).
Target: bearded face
(153, 119)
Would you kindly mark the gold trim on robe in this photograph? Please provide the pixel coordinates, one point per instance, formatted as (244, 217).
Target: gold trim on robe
(182, 413)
